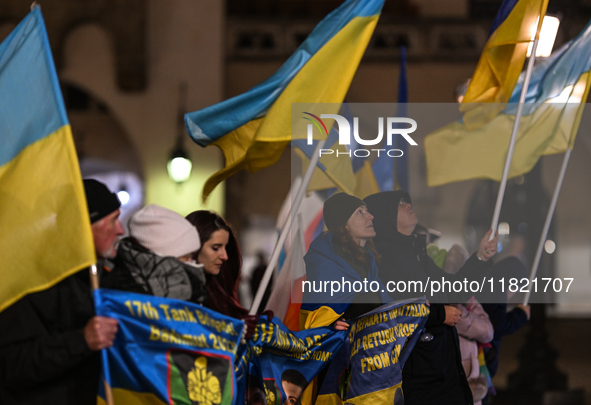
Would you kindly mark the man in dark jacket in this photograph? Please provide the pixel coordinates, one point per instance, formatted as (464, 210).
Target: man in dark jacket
(50, 340)
(433, 374)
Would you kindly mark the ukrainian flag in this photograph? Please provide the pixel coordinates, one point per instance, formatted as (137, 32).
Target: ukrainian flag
(46, 232)
(502, 59)
(253, 129)
(553, 107)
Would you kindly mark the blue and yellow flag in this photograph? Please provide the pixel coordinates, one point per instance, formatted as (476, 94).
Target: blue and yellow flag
(168, 351)
(253, 129)
(46, 233)
(502, 59)
(368, 369)
(553, 107)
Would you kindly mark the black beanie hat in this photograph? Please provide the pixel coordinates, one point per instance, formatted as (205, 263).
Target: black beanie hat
(338, 209)
(101, 201)
(384, 208)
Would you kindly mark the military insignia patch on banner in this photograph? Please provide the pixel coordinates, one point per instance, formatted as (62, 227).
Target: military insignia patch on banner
(271, 391)
(199, 378)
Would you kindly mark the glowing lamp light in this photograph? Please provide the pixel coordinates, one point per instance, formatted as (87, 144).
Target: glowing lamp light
(123, 197)
(549, 246)
(503, 228)
(547, 36)
(179, 166)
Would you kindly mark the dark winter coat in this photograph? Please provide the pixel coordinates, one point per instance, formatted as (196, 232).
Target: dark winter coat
(44, 357)
(433, 373)
(503, 322)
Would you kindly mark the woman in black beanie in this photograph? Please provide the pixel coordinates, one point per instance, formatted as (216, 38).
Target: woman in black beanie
(345, 256)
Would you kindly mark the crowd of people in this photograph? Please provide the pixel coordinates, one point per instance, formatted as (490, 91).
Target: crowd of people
(375, 239)
(51, 340)
(49, 349)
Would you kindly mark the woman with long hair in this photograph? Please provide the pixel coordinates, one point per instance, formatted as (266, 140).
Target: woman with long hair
(344, 253)
(221, 260)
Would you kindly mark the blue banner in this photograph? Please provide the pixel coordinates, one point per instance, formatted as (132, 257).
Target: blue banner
(369, 367)
(277, 364)
(173, 352)
(168, 351)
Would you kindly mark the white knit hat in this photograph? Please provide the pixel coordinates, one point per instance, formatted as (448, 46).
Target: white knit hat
(163, 231)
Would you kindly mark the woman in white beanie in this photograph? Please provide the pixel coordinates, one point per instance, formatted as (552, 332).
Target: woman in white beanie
(156, 258)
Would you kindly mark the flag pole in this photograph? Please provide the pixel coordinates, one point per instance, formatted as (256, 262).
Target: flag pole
(286, 228)
(94, 283)
(302, 241)
(552, 207)
(301, 230)
(534, 269)
(516, 123)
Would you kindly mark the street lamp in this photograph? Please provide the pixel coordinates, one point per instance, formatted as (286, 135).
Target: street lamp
(547, 36)
(179, 165)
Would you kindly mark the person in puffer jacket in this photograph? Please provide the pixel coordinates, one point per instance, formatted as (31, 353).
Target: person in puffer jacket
(474, 327)
(156, 258)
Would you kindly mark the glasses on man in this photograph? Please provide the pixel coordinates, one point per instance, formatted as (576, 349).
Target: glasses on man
(403, 202)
